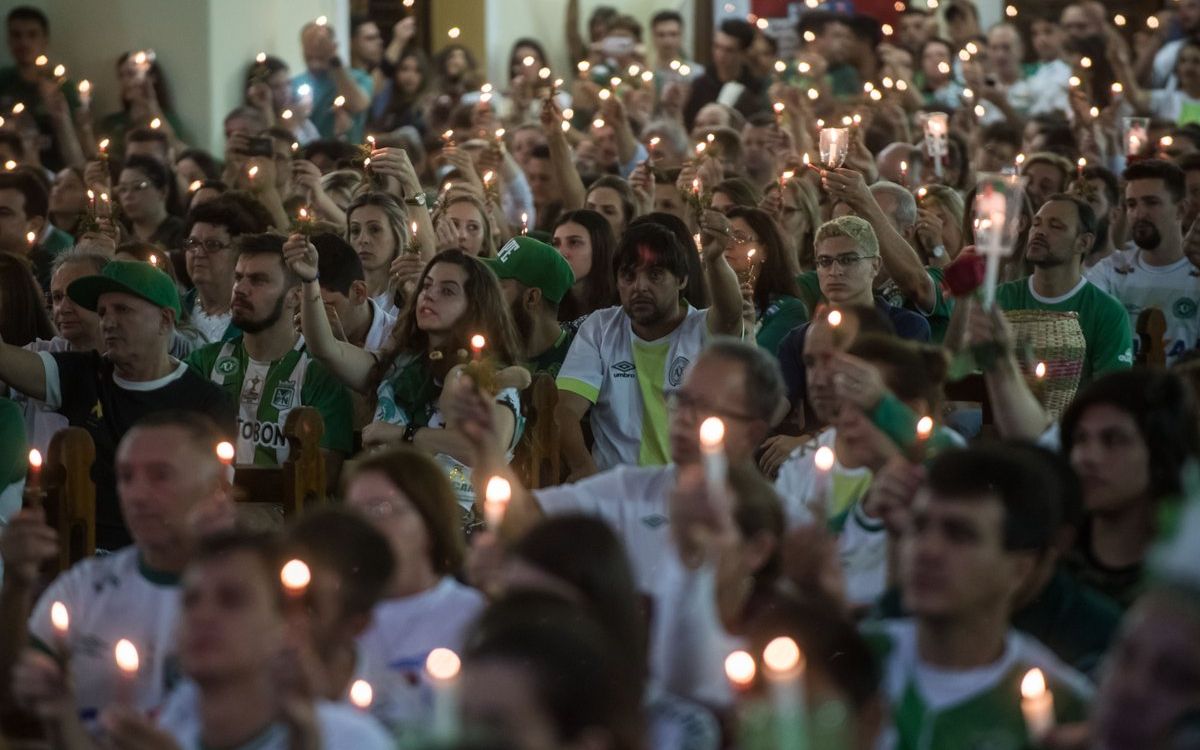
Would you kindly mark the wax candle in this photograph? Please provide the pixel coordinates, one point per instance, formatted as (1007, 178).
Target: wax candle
(936, 130)
(60, 620)
(295, 577)
(361, 694)
(443, 665)
(740, 669)
(1037, 705)
(712, 449)
(904, 173)
(990, 211)
(127, 663)
(524, 223)
(783, 667)
(85, 94)
(34, 479)
(497, 495)
(834, 144)
(478, 342)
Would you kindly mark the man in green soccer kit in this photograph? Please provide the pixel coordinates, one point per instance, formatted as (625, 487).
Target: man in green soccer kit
(953, 672)
(267, 371)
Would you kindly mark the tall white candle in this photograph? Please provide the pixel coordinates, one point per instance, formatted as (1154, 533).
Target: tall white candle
(783, 666)
(443, 665)
(126, 655)
(497, 495)
(1037, 705)
(712, 449)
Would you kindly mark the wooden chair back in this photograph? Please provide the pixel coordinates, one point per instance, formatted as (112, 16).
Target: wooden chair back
(300, 480)
(538, 457)
(1152, 337)
(70, 499)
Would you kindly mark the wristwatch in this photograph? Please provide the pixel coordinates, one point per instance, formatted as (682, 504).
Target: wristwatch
(416, 200)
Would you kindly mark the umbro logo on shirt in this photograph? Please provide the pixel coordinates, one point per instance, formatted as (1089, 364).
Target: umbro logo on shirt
(624, 370)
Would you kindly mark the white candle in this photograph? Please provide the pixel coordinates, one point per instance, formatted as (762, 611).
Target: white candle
(712, 449)
(225, 450)
(823, 461)
(740, 669)
(85, 94)
(524, 223)
(443, 665)
(60, 619)
(1037, 705)
(33, 479)
(936, 127)
(783, 665)
(990, 211)
(295, 576)
(834, 144)
(127, 662)
(496, 496)
(361, 694)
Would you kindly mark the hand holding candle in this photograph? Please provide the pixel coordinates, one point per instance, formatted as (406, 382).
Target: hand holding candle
(497, 495)
(1037, 705)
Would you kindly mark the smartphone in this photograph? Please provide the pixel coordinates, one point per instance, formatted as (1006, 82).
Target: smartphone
(260, 147)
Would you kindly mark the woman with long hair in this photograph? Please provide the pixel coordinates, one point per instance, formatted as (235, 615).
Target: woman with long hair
(463, 222)
(145, 190)
(767, 269)
(585, 239)
(940, 216)
(457, 71)
(376, 227)
(145, 95)
(797, 210)
(402, 101)
(611, 197)
(456, 297)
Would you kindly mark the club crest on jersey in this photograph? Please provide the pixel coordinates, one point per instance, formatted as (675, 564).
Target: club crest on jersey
(227, 365)
(1184, 308)
(285, 395)
(678, 368)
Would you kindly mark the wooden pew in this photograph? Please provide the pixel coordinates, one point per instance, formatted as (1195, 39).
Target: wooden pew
(300, 480)
(1152, 337)
(70, 495)
(538, 458)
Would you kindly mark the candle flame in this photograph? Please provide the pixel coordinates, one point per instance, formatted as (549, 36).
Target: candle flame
(59, 617)
(740, 668)
(322, 20)
(361, 694)
(85, 86)
(253, 172)
(339, 101)
(924, 427)
(31, 237)
(193, 187)
(443, 664)
(778, 107)
(60, 71)
(127, 656)
(155, 124)
(35, 459)
(414, 229)
(103, 145)
(834, 318)
(225, 452)
(1117, 87)
(1040, 370)
(41, 60)
(782, 655)
(448, 135)
(478, 341)
(260, 58)
(788, 174)
(454, 32)
(154, 260)
(498, 490)
(712, 432)
(1166, 141)
(18, 108)
(303, 213)
(1033, 684)
(824, 458)
(295, 575)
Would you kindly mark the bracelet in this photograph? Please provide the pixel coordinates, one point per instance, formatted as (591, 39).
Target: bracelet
(410, 432)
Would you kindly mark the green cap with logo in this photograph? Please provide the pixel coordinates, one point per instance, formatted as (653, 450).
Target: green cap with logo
(129, 277)
(534, 264)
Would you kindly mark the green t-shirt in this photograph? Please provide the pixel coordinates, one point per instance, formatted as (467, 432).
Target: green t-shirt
(550, 361)
(1103, 319)
(781, 316)
(650, 362)
(14, 450)
(266, 392)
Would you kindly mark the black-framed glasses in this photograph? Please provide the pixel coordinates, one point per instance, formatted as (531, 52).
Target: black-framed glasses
(678, 401)
(208, 247)
(845, 261)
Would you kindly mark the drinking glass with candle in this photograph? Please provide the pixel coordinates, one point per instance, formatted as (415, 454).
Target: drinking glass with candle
(834, 145)
(937, 129)
(1137, 135)
(997, 221)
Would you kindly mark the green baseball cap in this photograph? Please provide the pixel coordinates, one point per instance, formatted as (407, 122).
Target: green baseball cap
(130, 277)
(534, 264)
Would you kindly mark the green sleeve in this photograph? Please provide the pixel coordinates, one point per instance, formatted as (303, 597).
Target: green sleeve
(1110, 343)
(810, 290)
(13, 446)
(789, 313)
(201, 360)
(893, 417)
(329, 397)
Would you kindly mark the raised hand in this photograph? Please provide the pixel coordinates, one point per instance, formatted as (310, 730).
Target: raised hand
(301, 256)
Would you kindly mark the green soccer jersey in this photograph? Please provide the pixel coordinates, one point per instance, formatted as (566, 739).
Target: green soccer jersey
(550, 361)
(1102, 318)
(940, 709)
(266, 392)
(781, 316)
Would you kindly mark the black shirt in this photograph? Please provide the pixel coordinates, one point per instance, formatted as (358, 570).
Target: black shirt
(91, 398)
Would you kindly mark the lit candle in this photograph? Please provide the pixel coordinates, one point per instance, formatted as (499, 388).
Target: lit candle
(156, 123)
(712, 451)
(60, 620)
(252, 173)
(740, 669)
(936, 130)
(339, 101)
(322, 20)
(990, 212)
(443, 665)
(260, 58)
(414, 246)
(454, 32)
(783, 665)
(524, 223)
(779, 108)
(85, 94)
(478, 342)
(41, 61)
(18, 108)
(295, 577)
(31, 238)
(10, 165)
(924, 428)
(783, 178)
(834, 143)
(127, 662)
(904, 173)
(1039, 371)
(361, 694)
(1037, 705)
(154, 260)
(1079, 167)
(823, 461)
(497, 495)
(34, 479)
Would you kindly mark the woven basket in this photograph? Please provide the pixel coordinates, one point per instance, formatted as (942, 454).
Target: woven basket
(1055, 338)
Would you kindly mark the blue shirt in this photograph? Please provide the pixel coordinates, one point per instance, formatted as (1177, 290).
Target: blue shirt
(324, 91)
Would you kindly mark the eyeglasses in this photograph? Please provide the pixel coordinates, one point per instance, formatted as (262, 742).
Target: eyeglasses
(679, 402)
(131, 187)
(845, 261)
(208, 247)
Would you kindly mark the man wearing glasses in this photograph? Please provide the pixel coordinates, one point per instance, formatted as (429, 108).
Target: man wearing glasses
(211, 229)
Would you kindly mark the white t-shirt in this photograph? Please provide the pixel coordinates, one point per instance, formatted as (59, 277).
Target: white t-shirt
(387, 302)
(382, 323)
(1163, 73)
(392, 652)
(1174, 289)
(212, 327)
(41, 422)
(1043, 92)
(627, 380)
(109, 598)
(340, 725)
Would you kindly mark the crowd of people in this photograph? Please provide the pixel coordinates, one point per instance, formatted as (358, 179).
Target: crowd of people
(867, 348)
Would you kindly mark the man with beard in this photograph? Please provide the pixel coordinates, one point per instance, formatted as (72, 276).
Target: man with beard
(267, 370)
(625, 360)
(1063, 232)
(535, 278)
(1157, 274)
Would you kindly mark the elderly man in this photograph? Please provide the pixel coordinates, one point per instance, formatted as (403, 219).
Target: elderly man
(107, 393)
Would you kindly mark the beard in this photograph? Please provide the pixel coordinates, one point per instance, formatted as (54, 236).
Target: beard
(522, 320)
(1146, 235)
(249, 325)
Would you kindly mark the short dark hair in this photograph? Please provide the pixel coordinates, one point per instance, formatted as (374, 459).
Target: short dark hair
(148, 135)
(866, 28)
(222, 213)
(740, 30)
(266, 243)
(650, 245)
(341, 540)
(338, 266)
(1112, 188)
(540, 151)
(1084, 213)
(1024, 486)
(1189, 162)
(265, 547)
(1164, 409)
(201, 430)
(29, 13)
(156, 172)
(665, 16)
(696, 291)
(1158, 169)
(37, 199)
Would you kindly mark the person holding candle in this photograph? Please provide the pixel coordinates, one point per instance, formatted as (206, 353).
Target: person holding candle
(211, 230)
(953, 670)
(535, 278)
(328, 78)
(144, 95)
(612, 198)
(376, 227)
(626, 359)
(1157, 274)
(465, 224)
(267, 370)
(170, 478)
(23, 210)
